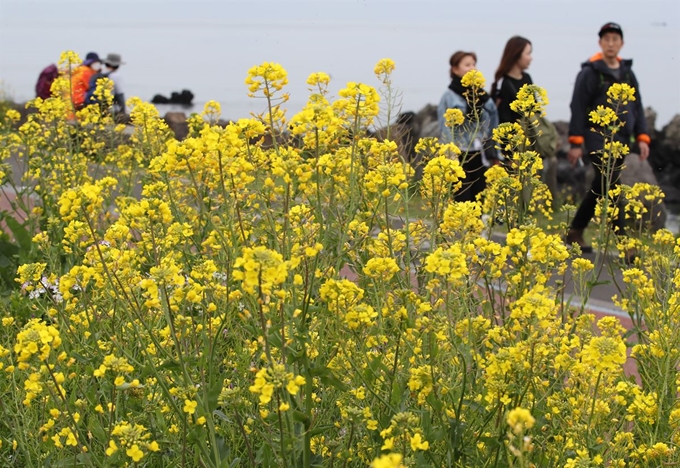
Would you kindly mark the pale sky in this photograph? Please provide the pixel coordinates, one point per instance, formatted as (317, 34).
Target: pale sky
(208, 46)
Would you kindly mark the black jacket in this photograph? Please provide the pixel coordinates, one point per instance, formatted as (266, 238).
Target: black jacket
(590, 91)
(506, 92)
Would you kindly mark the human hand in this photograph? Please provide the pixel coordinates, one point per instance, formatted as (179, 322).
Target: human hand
(644, 150)
(574, 155)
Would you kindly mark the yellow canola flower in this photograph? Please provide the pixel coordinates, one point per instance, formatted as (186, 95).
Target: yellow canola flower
(268, 380)
(135, 453)
(114, 364)
(418, 443)
(453, 117)
(294, 384)
(68, 60)
(621, 92)
(531, 100)
(30, 273)
(605, 353)
(391, 460)
(603, 116)
(360, 315)
(133, 439)
(359, 100)
(190, 406)
(450, 263)
(340, 294)
(383, 268)
(519, 420)
(319, 79)
(267, 77)
(384, 67)
(581, 265)
(36, 338)
(441, 175)
(260, 269)
(473, 79)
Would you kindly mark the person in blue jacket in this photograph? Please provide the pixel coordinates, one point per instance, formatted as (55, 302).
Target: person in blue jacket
(473, 137)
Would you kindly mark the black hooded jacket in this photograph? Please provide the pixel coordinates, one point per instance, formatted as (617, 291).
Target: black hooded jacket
(590, 91)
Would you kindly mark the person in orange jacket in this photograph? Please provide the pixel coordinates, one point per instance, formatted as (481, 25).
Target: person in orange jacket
(597, 75)
(80, 79)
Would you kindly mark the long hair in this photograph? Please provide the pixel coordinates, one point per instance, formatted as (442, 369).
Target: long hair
(457, 57)
(511, 54)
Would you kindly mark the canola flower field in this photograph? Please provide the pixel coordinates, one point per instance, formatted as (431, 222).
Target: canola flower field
(210, 322)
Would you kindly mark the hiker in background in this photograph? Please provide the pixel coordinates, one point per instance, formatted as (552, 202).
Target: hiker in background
(80, 79)
(45, 79)
(510, 76)
(474, 141)
(590, 91)
(112, 63)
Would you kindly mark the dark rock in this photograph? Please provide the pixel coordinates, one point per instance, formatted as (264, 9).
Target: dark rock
(183, 98)
(177, 121)
(160, 99)
(650, 117)
(639, 171)
(662, 169)
(664, 157)
(671, 133)
(572, 181)
(562, 128)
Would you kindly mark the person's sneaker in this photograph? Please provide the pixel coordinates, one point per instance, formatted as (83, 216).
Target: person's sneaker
(575, 236)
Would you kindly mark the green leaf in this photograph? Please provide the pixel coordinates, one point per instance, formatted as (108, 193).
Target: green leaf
(371, 372)
(213, 394)
(397, 393)
(320, 430)
(21, 234)
(223, 451)
(8, 251)
(97, 430)
(171, 365)
(222, 416)
(328, 378)
(299, 416)
(265, 456)
(127, 385)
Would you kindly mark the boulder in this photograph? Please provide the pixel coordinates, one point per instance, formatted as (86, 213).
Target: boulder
(638, 171)
(671, 133)
(650, 117)
(177, 121)
(183, 98)
(562, 128)
(160, 99)
(664, 158)
(663, 167)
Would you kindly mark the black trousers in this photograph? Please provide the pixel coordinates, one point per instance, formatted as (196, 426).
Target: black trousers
(599, 188)
(474, 182)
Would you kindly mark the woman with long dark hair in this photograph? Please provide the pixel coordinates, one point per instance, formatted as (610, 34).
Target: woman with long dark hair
(511, 76)
(473, 137)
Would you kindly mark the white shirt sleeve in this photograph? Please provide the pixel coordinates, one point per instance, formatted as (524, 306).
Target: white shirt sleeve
(118, 83)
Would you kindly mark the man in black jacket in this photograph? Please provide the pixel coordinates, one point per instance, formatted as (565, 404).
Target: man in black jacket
(596, 76)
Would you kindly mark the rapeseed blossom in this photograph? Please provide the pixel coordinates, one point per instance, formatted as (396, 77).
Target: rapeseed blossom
(286, 289)
(260, 269)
